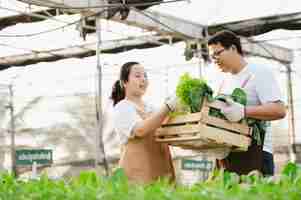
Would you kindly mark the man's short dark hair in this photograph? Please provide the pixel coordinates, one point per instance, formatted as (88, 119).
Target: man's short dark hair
(226, 39)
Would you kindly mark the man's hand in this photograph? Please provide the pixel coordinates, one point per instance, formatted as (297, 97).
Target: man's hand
(171, 103)
(234, 111)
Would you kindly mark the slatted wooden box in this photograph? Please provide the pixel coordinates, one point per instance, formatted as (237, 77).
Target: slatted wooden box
(201, 131)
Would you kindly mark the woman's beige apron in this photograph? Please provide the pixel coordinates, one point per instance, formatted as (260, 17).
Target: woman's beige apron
(144, 160)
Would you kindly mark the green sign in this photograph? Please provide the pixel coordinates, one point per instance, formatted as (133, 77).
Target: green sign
(202, 165)
(28, 156)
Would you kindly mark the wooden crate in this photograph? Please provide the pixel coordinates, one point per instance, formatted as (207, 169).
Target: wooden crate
(201, 131)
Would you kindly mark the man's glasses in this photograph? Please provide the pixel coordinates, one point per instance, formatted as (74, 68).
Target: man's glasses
(216, 54)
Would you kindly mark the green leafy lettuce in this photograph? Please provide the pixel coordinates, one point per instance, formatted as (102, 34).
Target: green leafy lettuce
(192, 91)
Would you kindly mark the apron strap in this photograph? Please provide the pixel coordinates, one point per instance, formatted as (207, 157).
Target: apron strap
(245, 82)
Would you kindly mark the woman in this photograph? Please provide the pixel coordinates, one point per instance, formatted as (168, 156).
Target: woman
(135, 122)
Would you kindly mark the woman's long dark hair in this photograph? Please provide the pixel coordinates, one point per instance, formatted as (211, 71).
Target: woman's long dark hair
(118, 91)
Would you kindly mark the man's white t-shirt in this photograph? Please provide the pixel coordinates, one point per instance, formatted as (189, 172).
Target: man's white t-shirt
(125, 117)
(261, 88)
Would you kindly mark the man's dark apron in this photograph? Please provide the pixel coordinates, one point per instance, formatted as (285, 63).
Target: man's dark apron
(244, 162)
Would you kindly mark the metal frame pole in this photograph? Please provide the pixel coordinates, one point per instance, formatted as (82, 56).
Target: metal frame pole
(99, 141)
(12, 130)
(291, 118)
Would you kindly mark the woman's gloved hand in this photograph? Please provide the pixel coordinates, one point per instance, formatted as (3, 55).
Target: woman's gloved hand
(171, 103)
(233, 111)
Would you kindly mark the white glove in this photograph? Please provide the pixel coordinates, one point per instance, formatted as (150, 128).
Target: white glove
(171, 103)
(234, 111)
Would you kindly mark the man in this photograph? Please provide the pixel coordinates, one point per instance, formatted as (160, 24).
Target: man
(263, 101)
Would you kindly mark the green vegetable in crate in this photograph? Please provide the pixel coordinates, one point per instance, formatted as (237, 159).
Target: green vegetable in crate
(192, 91)
(239, 95)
